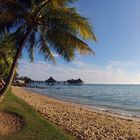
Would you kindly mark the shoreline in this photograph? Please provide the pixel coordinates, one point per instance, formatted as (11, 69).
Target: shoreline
(82, 122)
(90, 108)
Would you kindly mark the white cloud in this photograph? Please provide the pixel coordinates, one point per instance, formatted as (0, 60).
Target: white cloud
(114, 72)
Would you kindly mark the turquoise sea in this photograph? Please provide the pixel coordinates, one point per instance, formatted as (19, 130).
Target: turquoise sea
(120, 99)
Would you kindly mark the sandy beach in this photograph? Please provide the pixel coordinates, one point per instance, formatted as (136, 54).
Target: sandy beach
(84, 123)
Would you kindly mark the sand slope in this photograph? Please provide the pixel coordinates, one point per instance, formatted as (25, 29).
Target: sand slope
(82, 122)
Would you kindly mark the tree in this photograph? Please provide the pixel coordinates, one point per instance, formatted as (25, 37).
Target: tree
(47, 25)
(7, 52)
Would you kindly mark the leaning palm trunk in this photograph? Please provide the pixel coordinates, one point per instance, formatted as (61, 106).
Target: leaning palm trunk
(46, 24)
(13, 67)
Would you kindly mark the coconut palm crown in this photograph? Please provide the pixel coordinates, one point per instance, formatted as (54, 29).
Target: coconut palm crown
(46, 25)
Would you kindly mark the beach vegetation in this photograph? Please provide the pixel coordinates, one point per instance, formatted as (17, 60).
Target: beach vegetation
(7, 52)
(35, 127)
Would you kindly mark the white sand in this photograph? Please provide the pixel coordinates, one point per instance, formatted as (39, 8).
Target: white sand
(84, 123)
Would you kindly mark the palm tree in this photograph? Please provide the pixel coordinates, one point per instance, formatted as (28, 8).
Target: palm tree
(46, 25)
(7, 52)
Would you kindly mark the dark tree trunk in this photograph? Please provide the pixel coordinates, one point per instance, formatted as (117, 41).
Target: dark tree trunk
(13, 67)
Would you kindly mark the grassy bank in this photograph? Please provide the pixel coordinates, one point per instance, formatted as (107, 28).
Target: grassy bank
(36, 127)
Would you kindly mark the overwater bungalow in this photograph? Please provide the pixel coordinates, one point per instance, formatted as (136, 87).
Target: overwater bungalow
(79, 81)
(75, 82)
(51, 81)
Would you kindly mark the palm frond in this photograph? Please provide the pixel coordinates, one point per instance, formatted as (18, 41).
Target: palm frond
(66, 44)
(11, 15)
(58, 43)
(44, 48)
(71, 18)
(7, 52)
(30, 46)
(53, 25)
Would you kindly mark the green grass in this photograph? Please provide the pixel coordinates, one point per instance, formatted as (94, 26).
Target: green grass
(36, 128)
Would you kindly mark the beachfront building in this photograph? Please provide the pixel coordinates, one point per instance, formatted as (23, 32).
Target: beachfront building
(20, 81)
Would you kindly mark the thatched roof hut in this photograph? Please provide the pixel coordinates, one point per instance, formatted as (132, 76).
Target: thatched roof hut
(50, 81)
(72, 81)
(79, 81)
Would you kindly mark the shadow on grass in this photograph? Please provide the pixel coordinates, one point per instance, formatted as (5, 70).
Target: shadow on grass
(35, 127)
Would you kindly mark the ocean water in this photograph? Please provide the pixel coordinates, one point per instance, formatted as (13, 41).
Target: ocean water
(120, 99)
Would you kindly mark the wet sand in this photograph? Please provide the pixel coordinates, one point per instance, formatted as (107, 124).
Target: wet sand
(84, 123)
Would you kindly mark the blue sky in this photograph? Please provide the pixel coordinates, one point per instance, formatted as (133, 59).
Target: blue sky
(116, 24)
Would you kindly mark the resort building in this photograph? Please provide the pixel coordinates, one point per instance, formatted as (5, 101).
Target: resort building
(51, 81)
